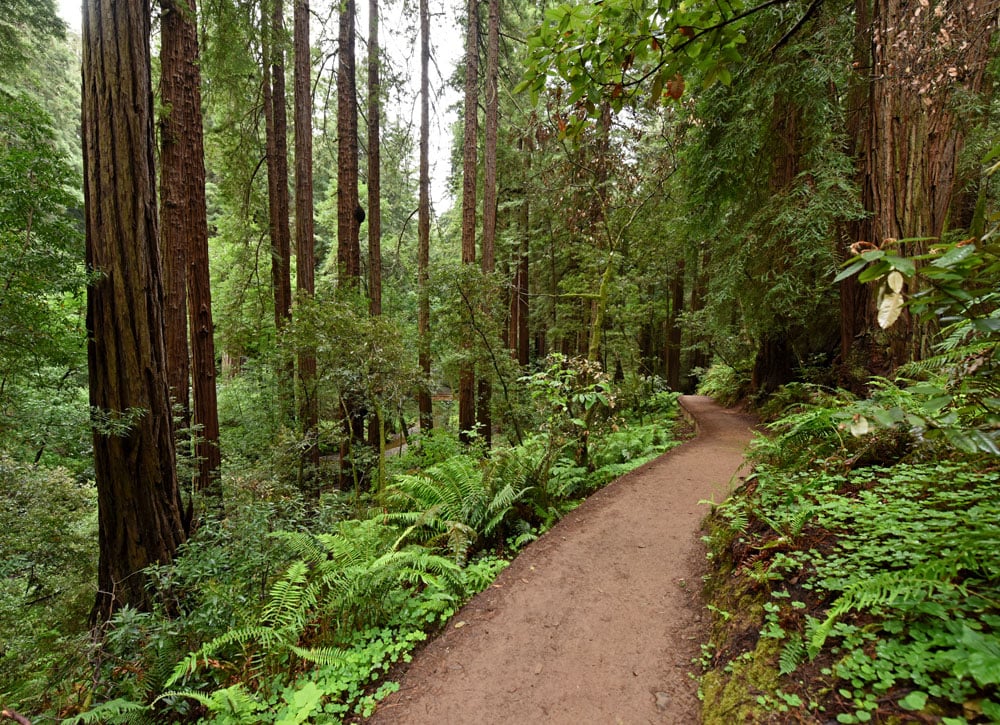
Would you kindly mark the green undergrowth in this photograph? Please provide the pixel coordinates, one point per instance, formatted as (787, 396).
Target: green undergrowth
(291, 609)
(865, 595)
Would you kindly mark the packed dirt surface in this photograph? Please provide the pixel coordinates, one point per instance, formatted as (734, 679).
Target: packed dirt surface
(597, 621)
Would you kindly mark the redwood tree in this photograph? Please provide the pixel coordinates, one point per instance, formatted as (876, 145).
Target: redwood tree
(424, 226)
(374, 162)
(349, 212)
(184, 235)
(139, 519)
(276, 129)
(466, 376)
(921, 62)
(488, 261)
(305, 245)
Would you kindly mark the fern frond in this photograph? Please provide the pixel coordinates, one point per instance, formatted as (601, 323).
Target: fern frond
(792, 654)
(902, 589)
(114, 712)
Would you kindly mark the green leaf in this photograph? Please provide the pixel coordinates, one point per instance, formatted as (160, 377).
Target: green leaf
(853, 269)
(955, 255)
(916, 700)
(874, 272)
(904, 265)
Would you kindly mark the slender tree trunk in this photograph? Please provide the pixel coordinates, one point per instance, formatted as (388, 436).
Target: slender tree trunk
(466, 376)
(424, 227)
(374, 165)
(484, 402)
(178, 220)
(518, 335)
(184, 227)
(139, 507)
(376, 425)
(855, 298)
(276, 127)
(305, 244)
(349, 211)
(673, 356)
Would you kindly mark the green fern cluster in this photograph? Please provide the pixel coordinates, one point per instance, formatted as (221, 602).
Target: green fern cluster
(459, 503)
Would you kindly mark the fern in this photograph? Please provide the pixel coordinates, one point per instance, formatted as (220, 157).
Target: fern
(114, 712)
(902, 589)
(792, 654)
(458, 502)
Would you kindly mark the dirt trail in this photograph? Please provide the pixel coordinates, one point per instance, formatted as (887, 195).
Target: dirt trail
(597, 621)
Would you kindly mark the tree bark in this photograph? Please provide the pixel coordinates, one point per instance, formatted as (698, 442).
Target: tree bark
(518, 334)
(276, 129)
(139, 508)
(466, 376)
(424, 228)
(305, 244)
(374, 165)
(184, 239)
(349, 212)
(673, 356)
(914, 135)
(484, 416)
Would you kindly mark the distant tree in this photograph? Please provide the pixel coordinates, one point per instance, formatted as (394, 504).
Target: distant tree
(23, 22)
(374, 165)
(424, 226)
(305, 242)
(484, 417)
(139, 521)
(466, 375)
(276, 129)
(349, 211)
(184, 237)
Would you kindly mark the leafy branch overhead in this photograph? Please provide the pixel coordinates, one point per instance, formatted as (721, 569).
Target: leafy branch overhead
(622, 52)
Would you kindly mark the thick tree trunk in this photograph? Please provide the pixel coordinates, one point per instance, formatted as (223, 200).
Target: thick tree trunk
(305, 244)
(424, 227)
(914, 135)
(139, 516)
(466, 376)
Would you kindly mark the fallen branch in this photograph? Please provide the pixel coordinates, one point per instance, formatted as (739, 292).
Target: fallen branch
(15, 716)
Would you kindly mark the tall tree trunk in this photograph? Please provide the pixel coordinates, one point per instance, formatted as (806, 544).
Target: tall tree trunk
(374, 165)
(276, 132)
(305, 243)
(466, 376)
(424, 227)
(855, 298)
(484, 402)
(276, 128)
(184, 236)
(518, 335)
(139, 507)
(376, 424)
(349, 211)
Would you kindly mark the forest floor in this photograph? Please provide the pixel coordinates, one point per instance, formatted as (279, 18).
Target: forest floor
(598, 621)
